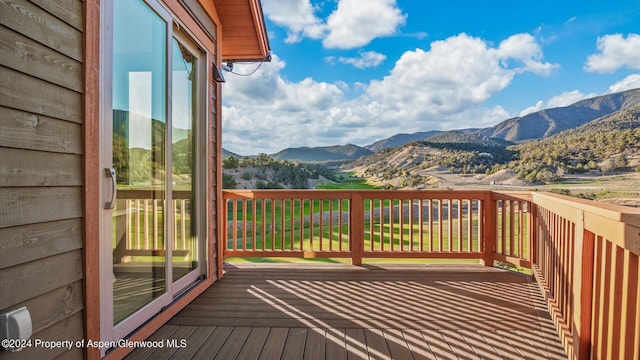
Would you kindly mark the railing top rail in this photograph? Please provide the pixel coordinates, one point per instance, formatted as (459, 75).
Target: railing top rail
(618, 224)
(287, 194)
(347, 194)
(511, 195)
(133, 194)
(614, 212)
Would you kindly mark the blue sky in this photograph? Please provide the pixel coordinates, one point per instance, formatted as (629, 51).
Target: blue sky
(356, 71)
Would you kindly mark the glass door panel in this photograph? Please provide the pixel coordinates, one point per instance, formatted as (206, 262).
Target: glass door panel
(184, 113)
(139, 81)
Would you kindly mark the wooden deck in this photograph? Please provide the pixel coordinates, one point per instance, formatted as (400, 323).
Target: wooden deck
(275, 311)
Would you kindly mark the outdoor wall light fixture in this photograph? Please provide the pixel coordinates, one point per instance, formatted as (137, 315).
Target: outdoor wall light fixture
(217, 74)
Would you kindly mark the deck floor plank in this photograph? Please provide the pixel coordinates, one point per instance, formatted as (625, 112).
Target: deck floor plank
(398, 347)
(166, 351)
(480, 345)
(460, 346)
(376, 345)
(500, 344)
(338, 311)
(254, 343)
(213, 344)
(356, 344)
(274, 345)
(418, 345)
(236, 340)
(440, 348)
(294, 344)
(164, 332)
(193, 342)
(335, 344)
(315, 345)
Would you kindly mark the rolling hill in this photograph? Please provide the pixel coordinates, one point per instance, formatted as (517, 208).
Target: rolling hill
(545, 123)
(534, 126)
(610, 143)
(401, 139)
(322, 154)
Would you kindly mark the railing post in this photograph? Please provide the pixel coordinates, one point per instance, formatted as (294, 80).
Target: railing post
(489, 229)
(582, 291)
(356, 227)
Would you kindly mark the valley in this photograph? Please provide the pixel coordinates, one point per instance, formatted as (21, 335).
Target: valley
(590, 149)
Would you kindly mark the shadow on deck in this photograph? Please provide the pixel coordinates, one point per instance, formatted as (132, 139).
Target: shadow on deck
(269, 311)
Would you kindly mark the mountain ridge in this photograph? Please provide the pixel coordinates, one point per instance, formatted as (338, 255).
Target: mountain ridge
(534, 126)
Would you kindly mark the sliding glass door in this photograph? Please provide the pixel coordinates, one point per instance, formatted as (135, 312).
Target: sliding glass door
(154, 226)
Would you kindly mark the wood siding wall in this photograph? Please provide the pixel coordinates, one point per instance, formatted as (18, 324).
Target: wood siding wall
(41, 174)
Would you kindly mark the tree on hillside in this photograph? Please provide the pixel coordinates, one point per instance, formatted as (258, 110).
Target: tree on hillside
(228, 182)
(230, 162)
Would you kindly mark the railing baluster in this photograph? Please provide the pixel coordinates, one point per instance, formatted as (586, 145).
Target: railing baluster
(254, 234)
(320, 222)
(430, 247)
(469, 224)
(292, 229)
(273, 224)
(440, 225)
(146, 224)
(156, 244)
(183, 214)
(401, 222)
(459, 202)
(174, 237)
(282, 226)
(311, 211)
(411, 225)
(449, 224)
(302, 239)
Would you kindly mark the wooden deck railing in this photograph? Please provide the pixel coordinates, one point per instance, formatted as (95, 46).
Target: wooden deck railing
(586, 262)
(140, 229)
(583, 254)
(378, 224)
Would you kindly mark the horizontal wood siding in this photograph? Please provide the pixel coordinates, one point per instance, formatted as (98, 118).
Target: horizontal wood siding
(21, 244)
(41, 172)
(26, 130)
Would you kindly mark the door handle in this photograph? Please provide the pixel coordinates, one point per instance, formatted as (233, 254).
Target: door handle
(111, 173)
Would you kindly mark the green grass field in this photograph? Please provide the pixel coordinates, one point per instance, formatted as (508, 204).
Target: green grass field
(351, 183)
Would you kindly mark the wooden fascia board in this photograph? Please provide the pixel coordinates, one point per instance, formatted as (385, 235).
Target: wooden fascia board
(261, 27)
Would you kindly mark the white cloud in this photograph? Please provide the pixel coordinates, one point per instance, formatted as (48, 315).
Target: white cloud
(442, 88)
(615, 53)
(564, 99)
(298, 16)
(568, 98)
(524, 48)
(456, 73)
(364, 60)
(267, 113)
(534, 108)
(266, 88)
(630, 82)
(353, 25)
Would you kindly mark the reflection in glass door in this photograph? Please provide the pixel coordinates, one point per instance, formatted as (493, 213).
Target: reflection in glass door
(157, 232)
(184, 111)
(139, 136)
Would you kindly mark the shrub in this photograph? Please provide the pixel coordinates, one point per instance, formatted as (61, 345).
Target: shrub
(228, 182)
